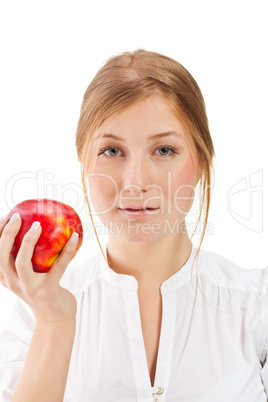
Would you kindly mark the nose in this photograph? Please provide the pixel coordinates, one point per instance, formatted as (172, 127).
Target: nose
(137, 175)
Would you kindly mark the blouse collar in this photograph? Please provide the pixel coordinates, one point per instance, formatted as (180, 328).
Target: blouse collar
(129, 282)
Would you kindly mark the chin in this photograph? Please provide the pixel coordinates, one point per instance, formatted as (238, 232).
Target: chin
(136, 232)
(138, 238)
(142, 231)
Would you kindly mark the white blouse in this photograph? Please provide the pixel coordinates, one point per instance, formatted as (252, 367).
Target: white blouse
(209, 350)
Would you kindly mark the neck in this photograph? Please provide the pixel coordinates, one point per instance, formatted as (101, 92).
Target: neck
(150, 263)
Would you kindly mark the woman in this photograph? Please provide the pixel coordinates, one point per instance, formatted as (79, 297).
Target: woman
(152, 318)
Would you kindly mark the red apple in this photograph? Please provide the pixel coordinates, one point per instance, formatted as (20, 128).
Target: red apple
(58, 222)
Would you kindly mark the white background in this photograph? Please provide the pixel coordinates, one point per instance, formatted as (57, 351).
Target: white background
(51, 50)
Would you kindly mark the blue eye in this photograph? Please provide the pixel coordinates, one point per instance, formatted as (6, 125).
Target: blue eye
(114, 151)
(103, 150)
(170, 149)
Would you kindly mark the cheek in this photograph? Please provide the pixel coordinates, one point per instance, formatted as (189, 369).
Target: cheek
(186, 175)
(103, 192)
(183, 187)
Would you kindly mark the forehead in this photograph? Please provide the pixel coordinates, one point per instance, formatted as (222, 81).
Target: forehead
(147, 117)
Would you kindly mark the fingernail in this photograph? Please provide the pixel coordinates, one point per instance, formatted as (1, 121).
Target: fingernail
(34, 226)
(14, 217)
(74, 238)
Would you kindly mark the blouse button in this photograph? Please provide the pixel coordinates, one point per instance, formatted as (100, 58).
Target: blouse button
(160, 391)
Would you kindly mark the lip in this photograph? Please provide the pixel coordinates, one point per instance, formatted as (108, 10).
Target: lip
(139, 213)
(132, 206)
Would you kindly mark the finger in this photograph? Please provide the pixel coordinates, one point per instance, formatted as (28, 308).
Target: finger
(24, 257)
(8, 273)
(3, 223)
(2, 279)
(9, 233)
(10, 280)
(15, 288)
(61, 263)
(3, 283)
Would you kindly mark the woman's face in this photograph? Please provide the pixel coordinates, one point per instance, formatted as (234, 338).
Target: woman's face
(135, 171)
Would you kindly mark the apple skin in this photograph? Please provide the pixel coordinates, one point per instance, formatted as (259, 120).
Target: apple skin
(58, 222)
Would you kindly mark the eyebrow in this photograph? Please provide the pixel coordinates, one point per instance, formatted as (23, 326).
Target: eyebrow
(151, 137)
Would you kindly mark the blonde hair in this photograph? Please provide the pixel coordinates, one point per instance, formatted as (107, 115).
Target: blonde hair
(133, 76)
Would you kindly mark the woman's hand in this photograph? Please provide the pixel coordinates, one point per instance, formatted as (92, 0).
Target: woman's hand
(41, 291)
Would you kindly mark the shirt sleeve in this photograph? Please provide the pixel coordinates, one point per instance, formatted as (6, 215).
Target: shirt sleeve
(14, 345)
(264, 330)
